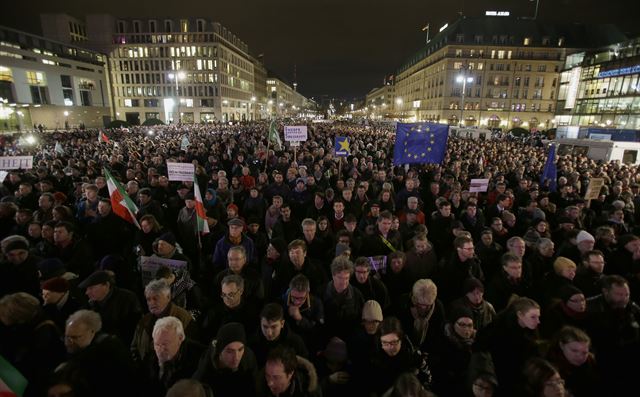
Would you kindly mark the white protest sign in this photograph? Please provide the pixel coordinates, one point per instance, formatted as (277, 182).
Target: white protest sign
(479, 185)
(16, 162)
(3, 176)
(180, 171)
(295, 133)
(593, 190)
(149, 266)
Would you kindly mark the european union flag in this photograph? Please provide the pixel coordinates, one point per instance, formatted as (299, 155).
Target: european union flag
(420, 143)
(342, 146)
(550, 171)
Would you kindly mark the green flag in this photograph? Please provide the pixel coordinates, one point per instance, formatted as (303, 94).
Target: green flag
(11, 380)
(274, 136)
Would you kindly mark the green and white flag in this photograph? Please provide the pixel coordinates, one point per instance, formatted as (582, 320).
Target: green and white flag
(274, 136)
(121, 203)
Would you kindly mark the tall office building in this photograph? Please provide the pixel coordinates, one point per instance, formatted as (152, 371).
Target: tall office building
(601, 87)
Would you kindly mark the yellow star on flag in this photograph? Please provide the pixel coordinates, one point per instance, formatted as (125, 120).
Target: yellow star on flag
(344, 145)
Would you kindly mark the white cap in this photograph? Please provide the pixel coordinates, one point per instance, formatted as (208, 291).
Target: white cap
(584, 236)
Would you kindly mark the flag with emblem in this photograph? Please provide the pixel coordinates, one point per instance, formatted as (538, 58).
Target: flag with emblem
(102, 137)
(420, 143)
(550, 171)
(201, 214)
(121, 203)
(342, 146)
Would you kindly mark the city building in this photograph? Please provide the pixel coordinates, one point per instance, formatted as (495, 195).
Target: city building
(379, 102)
(50, 83)
(492, 71)
(176, 70)
(601, 87)
(285, 101)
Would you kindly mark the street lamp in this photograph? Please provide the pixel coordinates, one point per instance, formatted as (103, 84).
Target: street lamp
(177, 77)
(399, 103)
(464, 79)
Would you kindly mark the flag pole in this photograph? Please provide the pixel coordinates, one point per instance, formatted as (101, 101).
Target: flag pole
(266, 156)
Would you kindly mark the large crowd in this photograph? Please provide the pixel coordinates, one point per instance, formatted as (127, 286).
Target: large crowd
(318, 275)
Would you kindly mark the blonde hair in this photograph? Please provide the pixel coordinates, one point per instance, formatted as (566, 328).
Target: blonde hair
(424, 291)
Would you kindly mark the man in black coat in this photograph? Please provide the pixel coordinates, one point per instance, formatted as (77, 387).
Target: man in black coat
(275, 332)
(175, 358)
(229, 366)
(99, 364)
(119, 308)
(462, 265)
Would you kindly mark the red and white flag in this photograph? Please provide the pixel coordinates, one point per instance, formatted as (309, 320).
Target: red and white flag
(102, 137)
(121, 203)
(201, 214)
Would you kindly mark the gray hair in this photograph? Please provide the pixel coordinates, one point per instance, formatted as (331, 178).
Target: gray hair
(157, 287)
(543, 243)
(238, 248)
(308, 222)
(234, 279)
(168, 323)
(89, 318)
(424, 291)
(10, 239)
(341, 264)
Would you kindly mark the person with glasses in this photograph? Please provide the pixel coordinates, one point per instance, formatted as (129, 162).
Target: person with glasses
(541, 379)
(460, 266)
(507, 283)
(570, 309)
(233, 308)
(304, 312)
(99, 360)
(370, 287)
(395, 356)
(450, 360)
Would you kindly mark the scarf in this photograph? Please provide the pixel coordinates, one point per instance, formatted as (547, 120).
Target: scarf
(421, 324)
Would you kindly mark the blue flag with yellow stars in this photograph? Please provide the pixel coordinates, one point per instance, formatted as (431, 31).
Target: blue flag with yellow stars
(420, 143)
(342, 146)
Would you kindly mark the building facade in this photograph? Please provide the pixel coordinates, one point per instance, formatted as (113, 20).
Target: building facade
(496, 72)
(601, 87)
(284, 101)
(379, 102)
(176, 70)
(50, 83)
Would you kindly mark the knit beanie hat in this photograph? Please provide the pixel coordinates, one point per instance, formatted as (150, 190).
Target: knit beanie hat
(584, 236)
(561, 263)
(459, 311)
(566, 292)
(168, 238)
(229, 333)
(372, 311)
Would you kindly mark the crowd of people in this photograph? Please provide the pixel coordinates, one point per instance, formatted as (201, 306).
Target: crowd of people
(319, 275)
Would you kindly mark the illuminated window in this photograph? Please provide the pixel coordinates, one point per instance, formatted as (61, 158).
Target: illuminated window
(36, 78)
(527, 41)
(127, 102)
(5, 74)
(184, 25)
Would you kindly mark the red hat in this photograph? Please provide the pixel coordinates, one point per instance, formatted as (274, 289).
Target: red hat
(56, 284)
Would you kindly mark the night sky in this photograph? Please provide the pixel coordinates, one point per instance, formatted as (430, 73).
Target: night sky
(341, 47)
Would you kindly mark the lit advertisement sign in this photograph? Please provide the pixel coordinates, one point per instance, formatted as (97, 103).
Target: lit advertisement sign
(572, 91)
(619, 72)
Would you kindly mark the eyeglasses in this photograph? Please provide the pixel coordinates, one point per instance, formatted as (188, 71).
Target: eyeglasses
(579, 299)
(555, 382)
(230, 295)
(390, 343)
